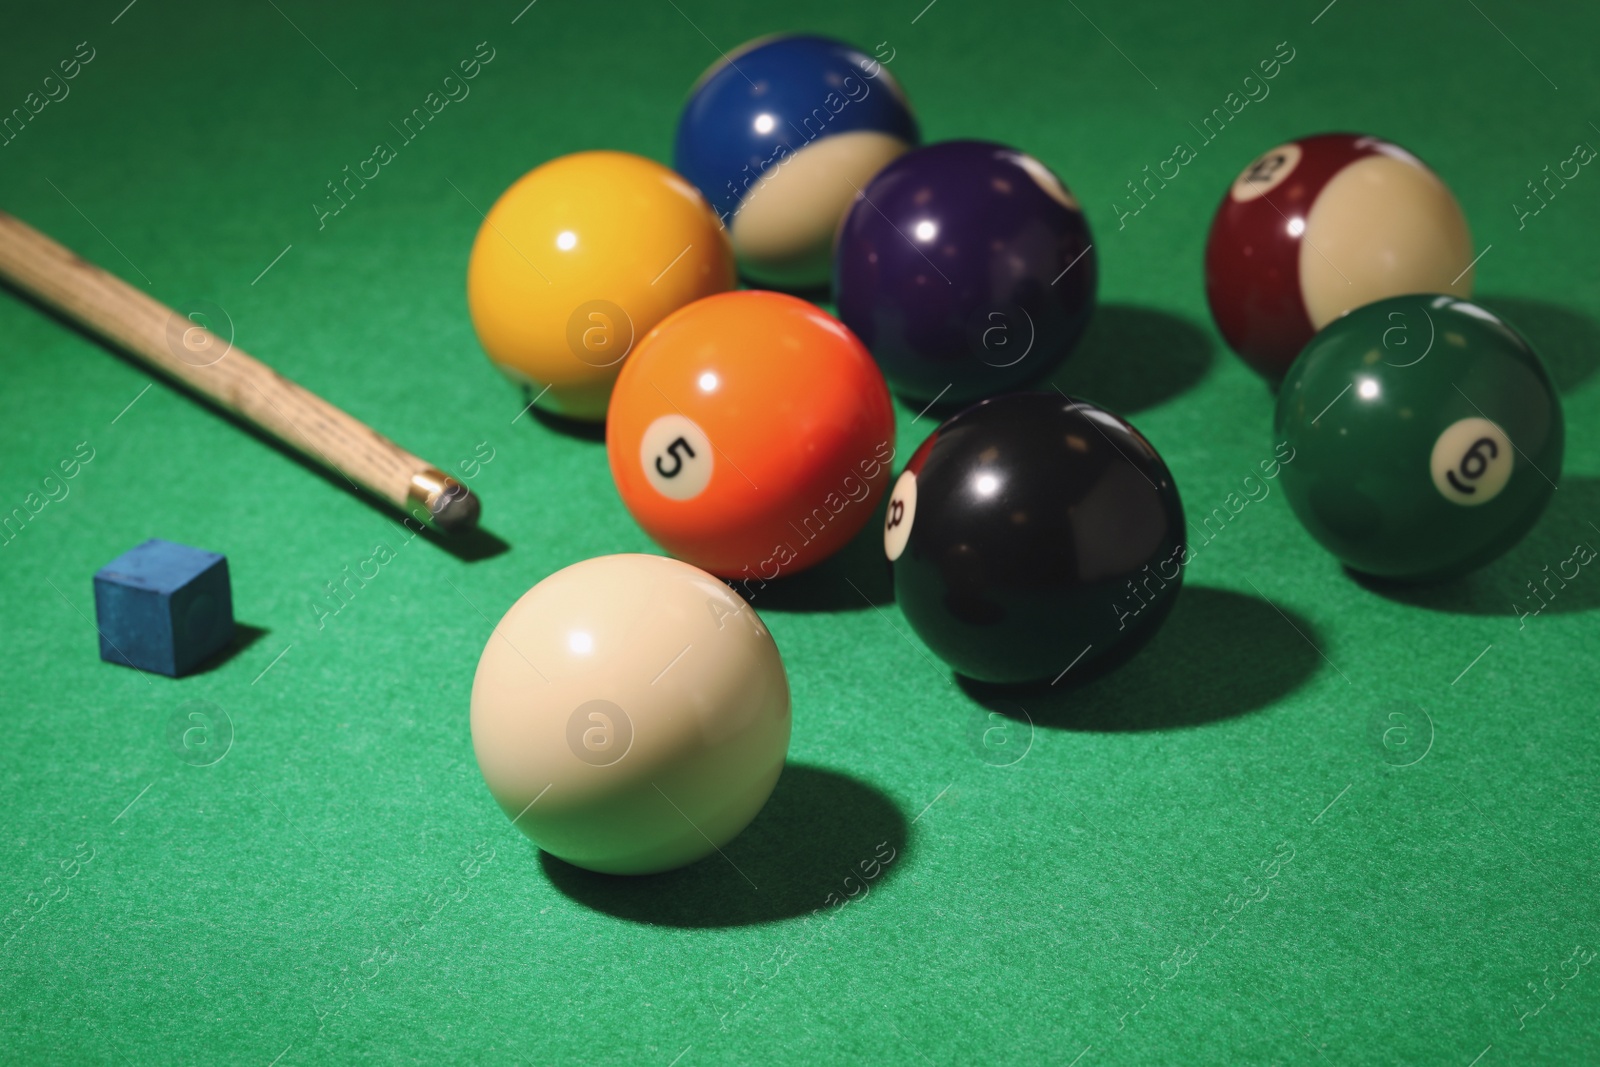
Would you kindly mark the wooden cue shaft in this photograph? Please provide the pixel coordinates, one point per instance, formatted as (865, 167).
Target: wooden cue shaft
(168, 341)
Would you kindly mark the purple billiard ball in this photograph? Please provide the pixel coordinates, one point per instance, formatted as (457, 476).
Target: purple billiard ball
(967, 268)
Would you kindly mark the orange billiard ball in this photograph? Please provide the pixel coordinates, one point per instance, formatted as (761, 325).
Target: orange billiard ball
(751, 434)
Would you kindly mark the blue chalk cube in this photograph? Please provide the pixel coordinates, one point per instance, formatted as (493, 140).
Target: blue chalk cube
(163, 607)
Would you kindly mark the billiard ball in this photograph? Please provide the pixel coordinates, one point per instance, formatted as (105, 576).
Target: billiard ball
(1315, 227)
(751, 434)
(967, 269)
(1425, 437)
(1032, 534)
(577, 260)
(630, 714)
(779, 137)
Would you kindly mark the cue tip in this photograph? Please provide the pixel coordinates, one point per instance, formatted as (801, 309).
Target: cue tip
(443, 502)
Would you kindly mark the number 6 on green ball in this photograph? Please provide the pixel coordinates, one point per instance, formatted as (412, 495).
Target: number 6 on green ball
(1427, 437)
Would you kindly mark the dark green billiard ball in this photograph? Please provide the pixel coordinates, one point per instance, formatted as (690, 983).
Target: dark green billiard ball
(1426, 437)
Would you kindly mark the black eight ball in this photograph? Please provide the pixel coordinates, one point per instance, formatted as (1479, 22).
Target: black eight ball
(1032, 534)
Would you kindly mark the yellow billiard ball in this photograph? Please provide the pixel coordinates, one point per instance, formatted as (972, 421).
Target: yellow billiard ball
(580, 258)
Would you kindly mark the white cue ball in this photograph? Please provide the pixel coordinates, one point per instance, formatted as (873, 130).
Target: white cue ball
(630, 714)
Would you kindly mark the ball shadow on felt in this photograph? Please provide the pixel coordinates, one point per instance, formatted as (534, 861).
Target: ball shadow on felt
(1133, 358)
(1568, 340)
(855, 578)
(1129, 359)
(1220, 654)
(579, 429)
(818, 828)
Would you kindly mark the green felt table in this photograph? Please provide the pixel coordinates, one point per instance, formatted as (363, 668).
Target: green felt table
(1316, 821)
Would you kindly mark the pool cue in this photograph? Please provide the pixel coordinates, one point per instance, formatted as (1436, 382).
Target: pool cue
(235, 381)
